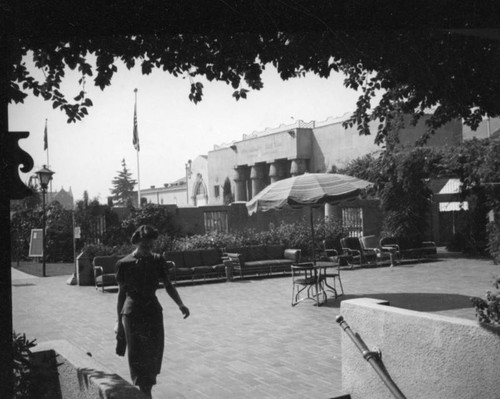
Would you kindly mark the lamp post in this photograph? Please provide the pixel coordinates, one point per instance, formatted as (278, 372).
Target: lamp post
(44, 177)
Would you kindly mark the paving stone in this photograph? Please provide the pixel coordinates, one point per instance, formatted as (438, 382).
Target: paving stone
(244, 340)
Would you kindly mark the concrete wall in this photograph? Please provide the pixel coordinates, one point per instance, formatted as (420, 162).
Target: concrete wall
(485, 129)
(221, 163)
(334, 145)
(82, 377)
(165, 195)
(428, 356)
(448, 135)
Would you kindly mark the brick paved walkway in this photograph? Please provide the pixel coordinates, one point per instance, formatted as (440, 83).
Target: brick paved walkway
(243, 339)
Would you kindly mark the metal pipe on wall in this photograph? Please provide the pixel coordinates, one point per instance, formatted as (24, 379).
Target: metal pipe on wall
(372, 357)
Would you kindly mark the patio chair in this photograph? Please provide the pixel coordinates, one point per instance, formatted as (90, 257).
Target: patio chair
(384, 252)
(332, 250)
(104, 271)
(352, 245)
(390, 243)
(305, 278)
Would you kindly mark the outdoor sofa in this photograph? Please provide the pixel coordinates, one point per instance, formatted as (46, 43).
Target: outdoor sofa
(409, 250)
(262, 259)
(195, 264)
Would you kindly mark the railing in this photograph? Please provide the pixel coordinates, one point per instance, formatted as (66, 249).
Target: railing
(372, 357)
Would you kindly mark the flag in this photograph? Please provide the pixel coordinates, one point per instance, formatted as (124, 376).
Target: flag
(135, 140)
(45, 138)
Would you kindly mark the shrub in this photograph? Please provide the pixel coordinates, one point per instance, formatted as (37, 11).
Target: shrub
(298, 234)
(212, 240)
(291, 235)
(153, 214)
(58, 240)
(494, 240)
(488, 310)
(21, 347)
(94, 250)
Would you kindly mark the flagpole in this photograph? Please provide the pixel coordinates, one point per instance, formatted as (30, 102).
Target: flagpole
(137, 147)
(138, 181)
(47, 143)
(46, 147)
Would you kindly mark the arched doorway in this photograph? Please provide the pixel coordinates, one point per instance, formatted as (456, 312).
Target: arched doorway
(200, 193)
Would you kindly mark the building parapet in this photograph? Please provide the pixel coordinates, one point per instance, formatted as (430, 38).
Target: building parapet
(332, 120)
(281, 128)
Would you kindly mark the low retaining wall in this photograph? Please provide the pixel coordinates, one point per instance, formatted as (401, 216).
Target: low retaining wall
(81, 377)
(427, 356)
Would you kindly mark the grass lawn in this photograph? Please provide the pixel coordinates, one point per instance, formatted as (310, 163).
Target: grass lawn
(51, 269)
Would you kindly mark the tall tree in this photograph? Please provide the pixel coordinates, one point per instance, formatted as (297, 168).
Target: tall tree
(123, 186)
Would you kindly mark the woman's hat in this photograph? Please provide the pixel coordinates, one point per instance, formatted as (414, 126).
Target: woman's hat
(144, 232)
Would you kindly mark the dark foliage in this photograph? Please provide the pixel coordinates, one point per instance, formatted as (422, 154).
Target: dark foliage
(153, 214)
(401, 177)
(291, 235)
(452, 70)
(59, 235)
(488, 309)
(21, 347)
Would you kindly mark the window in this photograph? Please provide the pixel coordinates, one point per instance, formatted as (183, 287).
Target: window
(217, 191)
(352, 220)
(216, 221)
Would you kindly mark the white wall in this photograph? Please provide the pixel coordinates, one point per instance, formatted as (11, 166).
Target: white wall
(428, 356)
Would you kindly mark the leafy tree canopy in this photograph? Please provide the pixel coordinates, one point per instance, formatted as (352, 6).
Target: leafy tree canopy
(401, 181)
(153, 214)
(451, 71)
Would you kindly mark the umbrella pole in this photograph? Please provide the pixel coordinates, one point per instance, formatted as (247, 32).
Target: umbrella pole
(312, 235)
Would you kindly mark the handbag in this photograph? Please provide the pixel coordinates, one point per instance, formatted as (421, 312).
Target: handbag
(121, 342)
(121, 345)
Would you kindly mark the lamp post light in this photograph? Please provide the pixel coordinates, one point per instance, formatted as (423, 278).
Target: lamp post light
(44, 177)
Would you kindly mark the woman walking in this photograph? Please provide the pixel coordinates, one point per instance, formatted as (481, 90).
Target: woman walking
(140, 315)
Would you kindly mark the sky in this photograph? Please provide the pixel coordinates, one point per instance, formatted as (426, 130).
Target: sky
(87, 155)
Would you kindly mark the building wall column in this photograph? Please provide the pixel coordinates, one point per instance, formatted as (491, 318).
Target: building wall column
(298, 167)
(276, 171)
(240, 180)
(257, 177)
(329, 211)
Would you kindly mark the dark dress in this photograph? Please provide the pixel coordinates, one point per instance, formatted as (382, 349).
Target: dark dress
(142, 314)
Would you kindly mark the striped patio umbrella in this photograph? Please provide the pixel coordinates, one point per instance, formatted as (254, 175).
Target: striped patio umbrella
(309, 189)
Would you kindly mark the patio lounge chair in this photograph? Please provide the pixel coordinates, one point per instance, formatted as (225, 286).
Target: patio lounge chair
(332, 250)
(352, 245)
(384, 252)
